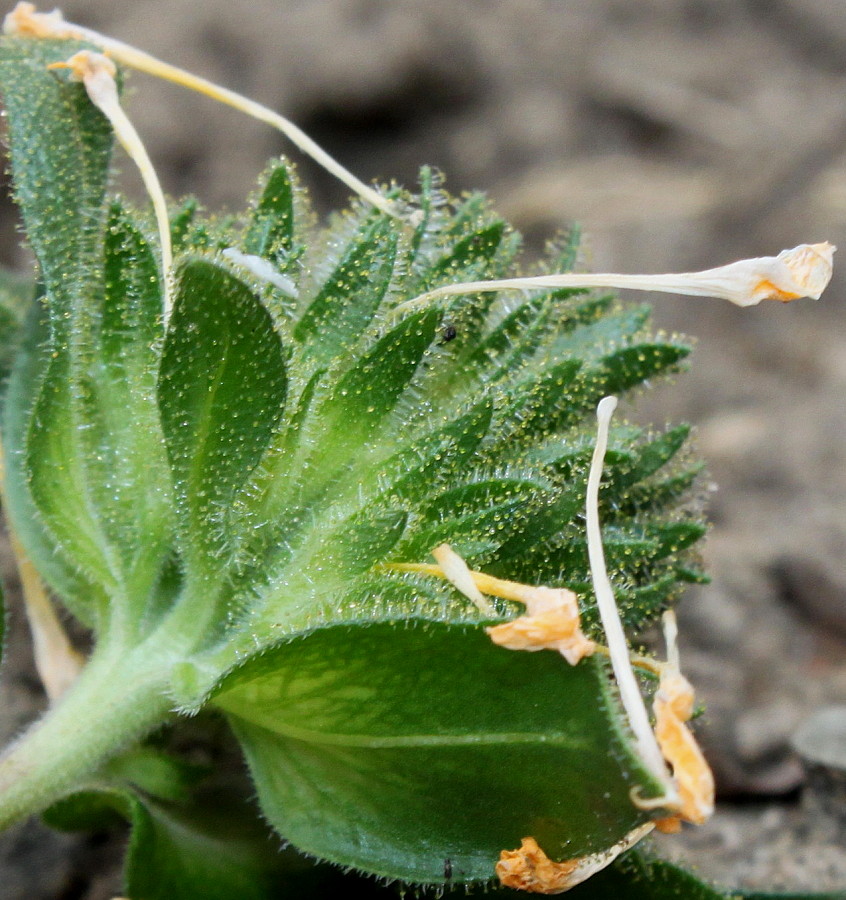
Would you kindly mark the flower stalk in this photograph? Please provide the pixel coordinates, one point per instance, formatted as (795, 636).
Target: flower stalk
(117, 699)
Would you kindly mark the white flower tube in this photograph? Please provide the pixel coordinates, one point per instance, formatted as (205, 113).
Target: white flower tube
(97, 72)
(803, 271)
(618, 649)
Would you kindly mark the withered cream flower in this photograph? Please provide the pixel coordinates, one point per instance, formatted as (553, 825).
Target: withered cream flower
(25, 21)
(803, 271)
(530, 869)
(689, 791)
(673, 707)
(97, 72)
(551, 623)
(552, 614)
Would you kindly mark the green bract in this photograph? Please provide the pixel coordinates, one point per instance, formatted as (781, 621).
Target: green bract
(219, 498)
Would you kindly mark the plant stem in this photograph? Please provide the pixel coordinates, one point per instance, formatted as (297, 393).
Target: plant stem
(117, 699)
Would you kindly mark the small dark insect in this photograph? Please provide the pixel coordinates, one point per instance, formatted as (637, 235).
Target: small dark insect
(448, 334)
(447, 869)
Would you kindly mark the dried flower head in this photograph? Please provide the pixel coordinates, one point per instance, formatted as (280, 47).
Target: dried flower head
(530, 869)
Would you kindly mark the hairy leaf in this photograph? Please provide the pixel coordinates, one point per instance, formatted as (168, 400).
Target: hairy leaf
(60, 148)
(221, 393)
(394, 747)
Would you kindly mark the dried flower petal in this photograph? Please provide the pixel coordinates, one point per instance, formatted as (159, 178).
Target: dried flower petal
(673, 707)
(530, 869)
(551, 623)
(25, 21)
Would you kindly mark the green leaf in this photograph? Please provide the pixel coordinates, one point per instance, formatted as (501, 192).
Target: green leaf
(131, 324)
(394, 747)
(60, 571)
(370, 389)
(271, 232)
(181, 221)
(633, 365)
(476, 249)
(60, 482)
(414, 473)
(358, 543)
(211, 848)
(60, 149)
(348, 299)
(538, 404)
(95, 425)
(117, 413)
(221, 393)
(16, 295)
(485, 511)
(652, 456)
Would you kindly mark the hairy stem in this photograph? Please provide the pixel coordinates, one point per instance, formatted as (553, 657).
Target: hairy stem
(117, 699)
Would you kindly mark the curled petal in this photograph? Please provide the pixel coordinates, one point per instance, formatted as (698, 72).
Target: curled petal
(530, 869)
(673, 707)
(551, 623)
(803, 271)
(691, 772)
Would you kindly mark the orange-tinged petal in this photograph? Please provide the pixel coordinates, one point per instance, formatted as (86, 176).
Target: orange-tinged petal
(551, 623)
(691, 773)
(530, 869)
(670, 825)
(673, 707)
(23, 20)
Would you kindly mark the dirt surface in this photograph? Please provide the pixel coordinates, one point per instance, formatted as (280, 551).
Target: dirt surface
(682, 134)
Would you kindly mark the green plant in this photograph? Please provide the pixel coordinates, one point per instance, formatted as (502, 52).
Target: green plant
(233, 470)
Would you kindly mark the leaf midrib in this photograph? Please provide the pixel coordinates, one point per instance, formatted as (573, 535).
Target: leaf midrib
(371, 742)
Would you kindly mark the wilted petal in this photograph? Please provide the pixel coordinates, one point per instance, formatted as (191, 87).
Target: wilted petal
(23, 20)
(551, 623)
(458, 574)
(530, 869)
(803, 271)
(673, 707)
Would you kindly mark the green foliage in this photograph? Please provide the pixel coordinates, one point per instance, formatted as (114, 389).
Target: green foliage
(221, 497)
(351, 732)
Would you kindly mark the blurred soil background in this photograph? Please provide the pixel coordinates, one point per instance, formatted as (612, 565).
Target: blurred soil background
(681, 134)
